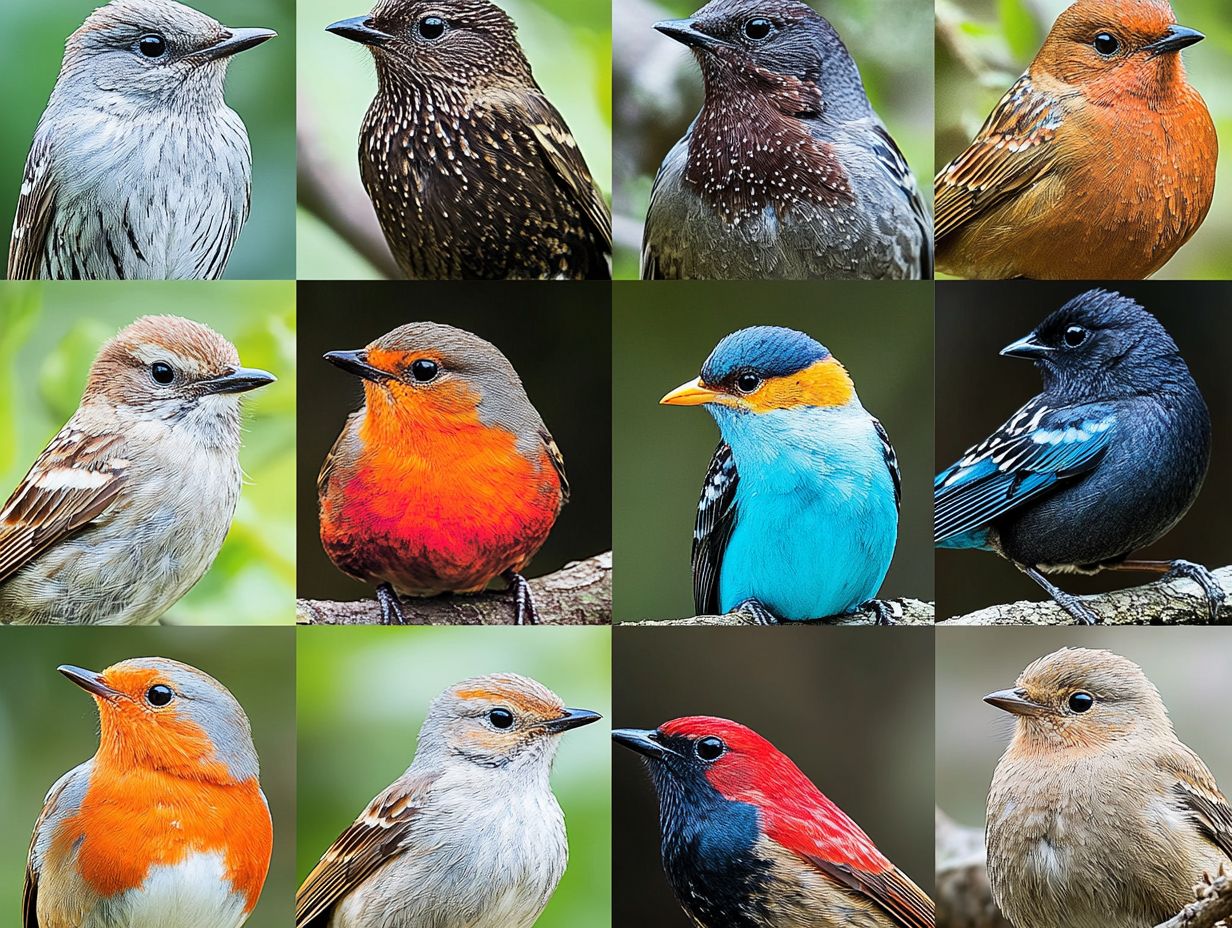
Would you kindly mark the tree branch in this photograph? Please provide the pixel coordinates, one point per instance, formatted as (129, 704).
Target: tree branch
(578, 594)
(1214, 905)
(906, 612)
(1172, 602)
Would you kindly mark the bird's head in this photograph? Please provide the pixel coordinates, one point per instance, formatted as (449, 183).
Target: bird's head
(1100, 344)
(159, 714)
(1081, 699)
(695, 750)
(501, 720)
(1110, 48)
(453, 46)
(143, 53)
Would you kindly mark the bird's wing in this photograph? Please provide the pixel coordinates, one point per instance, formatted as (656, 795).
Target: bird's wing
(64, 798)
(558, 462)
(891, 890)
(1200, 796)
(72, 483)
(374, 838)
(1011, 152)
(895, 163)
(1037, 447)
(34, 210)
(891, 460)
(327, 466)
(716, 517)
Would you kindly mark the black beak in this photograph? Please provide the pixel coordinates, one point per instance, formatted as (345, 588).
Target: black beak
(1176, 38)
(1015, 702)
(89, 681)
(237, 40)
(686, 32)
(573, 718)
(240, 380)
(359, 29)
(644, 741)
(356, 362)
(1027, 348)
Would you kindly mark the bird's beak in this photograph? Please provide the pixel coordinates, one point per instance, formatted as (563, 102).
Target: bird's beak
(1026, 347)
(573, 718)
(686, 32)
(237, 40)
(644, 741)
(693, 393)
(1015, 702)
(356, 362)
(359, 29)
(1176, 38)
(89, 681)
(240, 380)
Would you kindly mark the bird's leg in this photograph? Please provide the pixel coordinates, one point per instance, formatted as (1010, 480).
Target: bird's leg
(758, 613)
(1067, 601)
(523, 604)
(391, 606)
(883, 610)
(1215, 596)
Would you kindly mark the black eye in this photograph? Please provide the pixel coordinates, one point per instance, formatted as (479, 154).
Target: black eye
(747, 382)
(1106, 44)
(424, 370)
(1081, 702)
(162, 373)
(159, 695)
(501, 718)
(152, 46)
(757, 29)
(432, 27)
(710, 748)
(1075, 335)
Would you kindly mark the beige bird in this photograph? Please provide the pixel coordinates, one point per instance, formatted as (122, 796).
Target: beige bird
(471, 835)
(129, 504)
(1098, 816)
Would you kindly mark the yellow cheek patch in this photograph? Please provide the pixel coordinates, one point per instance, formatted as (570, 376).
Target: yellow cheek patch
(825, 383)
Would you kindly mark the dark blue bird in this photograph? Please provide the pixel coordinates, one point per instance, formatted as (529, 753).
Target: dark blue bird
(1103, 462)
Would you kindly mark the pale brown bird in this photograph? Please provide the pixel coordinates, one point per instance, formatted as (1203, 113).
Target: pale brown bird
(1098, 816)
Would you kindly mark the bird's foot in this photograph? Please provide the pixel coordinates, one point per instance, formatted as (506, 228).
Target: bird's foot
(1215, 595)
(1073, 607)
(391, 605)
(882, 610)
(523, 603)
(758, 613)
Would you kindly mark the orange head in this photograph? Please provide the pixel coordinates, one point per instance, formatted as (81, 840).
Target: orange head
(161, 715)
(1112, 48)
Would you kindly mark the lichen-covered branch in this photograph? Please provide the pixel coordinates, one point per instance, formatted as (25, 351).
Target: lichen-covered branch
(578, 594)
(905, 612)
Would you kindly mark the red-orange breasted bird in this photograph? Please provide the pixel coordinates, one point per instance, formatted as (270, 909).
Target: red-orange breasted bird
(1099, 163)
(166, 826)
(446, 478)
(750, 842)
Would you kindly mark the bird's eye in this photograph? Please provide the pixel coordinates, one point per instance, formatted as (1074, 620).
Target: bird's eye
(500, 718)
(1106, 44)
(758, 28)
(747, 382)
(424, 370)
(162, 373)
(1074, 336)
(709, 749)
(1081, 701)
(152, 46)
(159, 695)
(431, 28)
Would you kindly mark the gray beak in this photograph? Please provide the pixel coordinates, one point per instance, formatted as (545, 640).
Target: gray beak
(238, 40)
(359, 29)
(240, 380)
(644, 741)
(1015, 702)
(88, 680)
(356, 362)
(685, 32)
(1026, 347)
(573, 718)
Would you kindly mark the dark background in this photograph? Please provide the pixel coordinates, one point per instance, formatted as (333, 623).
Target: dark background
(977, 390)
(558, 339)
(852, 707)
(882, 332)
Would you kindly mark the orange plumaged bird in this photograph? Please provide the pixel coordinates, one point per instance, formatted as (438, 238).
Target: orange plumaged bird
(446, 478)
(1099, 163)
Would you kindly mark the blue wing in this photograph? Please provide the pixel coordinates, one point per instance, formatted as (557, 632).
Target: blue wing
(716, 517)
(1039, 446)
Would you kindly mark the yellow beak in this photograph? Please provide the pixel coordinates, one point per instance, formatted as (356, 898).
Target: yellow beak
(693, 393)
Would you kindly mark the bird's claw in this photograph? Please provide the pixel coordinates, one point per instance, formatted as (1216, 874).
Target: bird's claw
(758, 613)
(391, 605)
(523, 603)
(1080, 613)
(1215, 596)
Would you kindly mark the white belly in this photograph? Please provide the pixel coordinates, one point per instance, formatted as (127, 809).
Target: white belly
(194, 893)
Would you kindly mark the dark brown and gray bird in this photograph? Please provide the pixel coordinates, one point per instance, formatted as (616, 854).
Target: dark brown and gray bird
(473, 173)
(787, 172)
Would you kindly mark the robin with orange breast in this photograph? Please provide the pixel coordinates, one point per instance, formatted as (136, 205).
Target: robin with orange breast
(166, 826)
(446, 478)
(1099, 163)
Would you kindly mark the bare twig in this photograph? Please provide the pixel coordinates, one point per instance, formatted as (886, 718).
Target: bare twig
(906, 612)
(1214, 905)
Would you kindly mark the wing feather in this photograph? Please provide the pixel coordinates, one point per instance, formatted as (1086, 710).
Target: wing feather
(890, 890)
(35, 207)
(716, 518)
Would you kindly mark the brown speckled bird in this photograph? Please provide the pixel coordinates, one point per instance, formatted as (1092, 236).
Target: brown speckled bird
(473, 173)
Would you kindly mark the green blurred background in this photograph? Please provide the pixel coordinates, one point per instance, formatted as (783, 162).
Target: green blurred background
(1190, 666)
(977, 390)
(260, 87)
(658, 91)
(363, 693)
(568, 44)
(983, 46)
(49, 336)
(849, 707)
(882, 332)
(48, 726)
